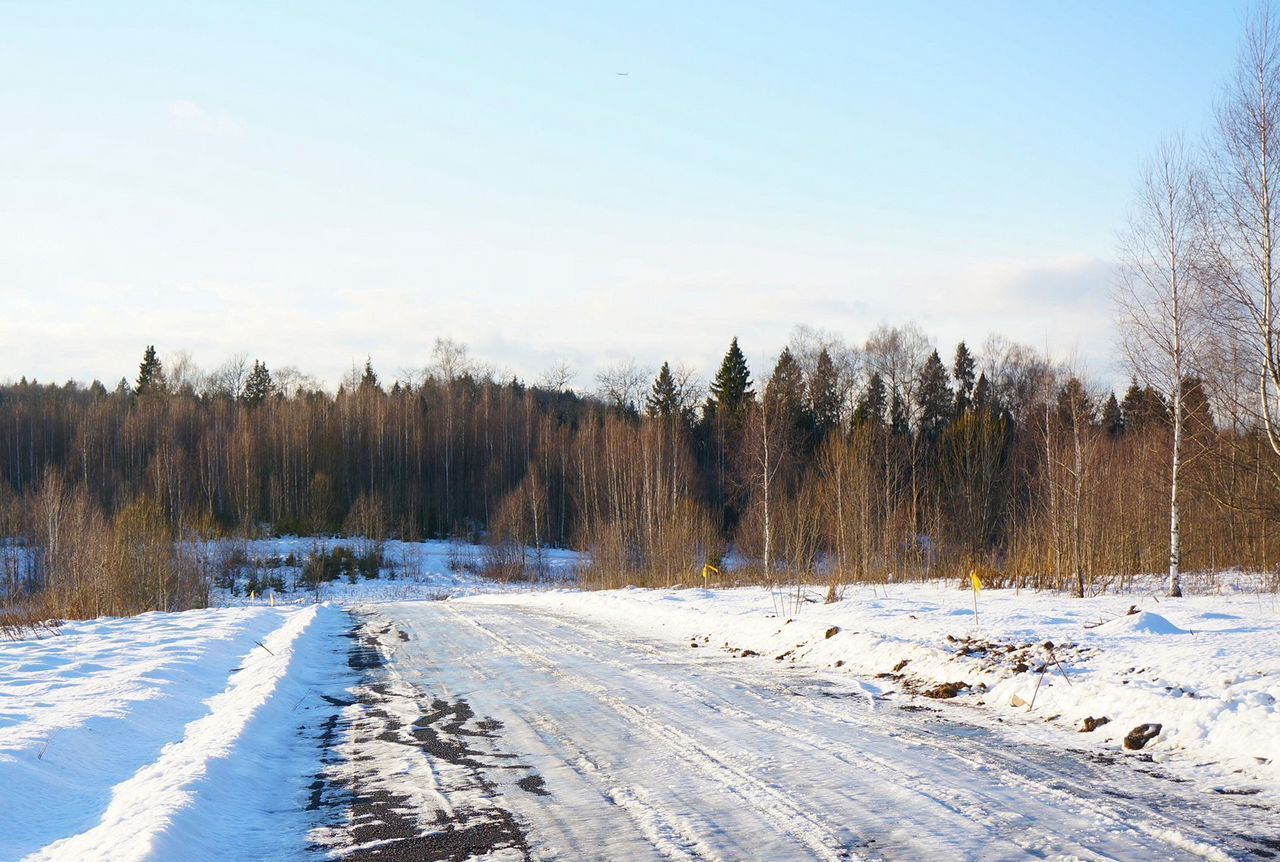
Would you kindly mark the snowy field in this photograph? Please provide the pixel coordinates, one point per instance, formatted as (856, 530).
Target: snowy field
(537, 722)
(410, 570)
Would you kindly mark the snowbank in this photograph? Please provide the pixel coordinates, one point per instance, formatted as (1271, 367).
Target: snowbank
(106, 730)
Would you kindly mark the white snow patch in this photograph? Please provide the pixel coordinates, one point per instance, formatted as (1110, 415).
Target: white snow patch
(1141, 623)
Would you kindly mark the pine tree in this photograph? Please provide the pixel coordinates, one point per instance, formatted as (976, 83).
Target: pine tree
(664, 397)
(258, 386)
(150, 373)
(731, 390)
(962, 370)
(872, 404)
(934, 397)
(824, 395)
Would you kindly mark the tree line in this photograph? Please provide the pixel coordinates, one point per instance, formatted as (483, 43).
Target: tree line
(885, 459)
(851, 463)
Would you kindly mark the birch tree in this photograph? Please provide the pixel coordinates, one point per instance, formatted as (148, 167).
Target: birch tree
(1160, 298)
(1246, 210)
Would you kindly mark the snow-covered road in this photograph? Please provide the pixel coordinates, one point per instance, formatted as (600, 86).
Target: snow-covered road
(542, 734)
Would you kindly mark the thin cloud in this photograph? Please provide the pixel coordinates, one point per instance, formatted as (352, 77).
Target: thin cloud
(191, 117)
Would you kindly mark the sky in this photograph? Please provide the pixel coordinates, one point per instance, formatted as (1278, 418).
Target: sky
(314, 183)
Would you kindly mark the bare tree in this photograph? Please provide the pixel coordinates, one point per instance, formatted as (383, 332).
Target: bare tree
(1160, 297)
(228, 378)
(449, 360)
(1246, 213)
(559, 377)
(622, 385)
(897, 353)
(182, 373)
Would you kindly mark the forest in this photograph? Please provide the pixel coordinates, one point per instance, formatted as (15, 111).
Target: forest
(843, 464)
(840, 461)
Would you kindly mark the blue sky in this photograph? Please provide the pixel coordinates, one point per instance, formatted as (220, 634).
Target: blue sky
(310, 183)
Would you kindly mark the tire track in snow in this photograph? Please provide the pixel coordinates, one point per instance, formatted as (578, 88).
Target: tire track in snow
(671, 835)
(772, 804)
(955, 798)
(1044, 782)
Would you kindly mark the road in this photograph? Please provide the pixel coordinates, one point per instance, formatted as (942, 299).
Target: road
(511, 733)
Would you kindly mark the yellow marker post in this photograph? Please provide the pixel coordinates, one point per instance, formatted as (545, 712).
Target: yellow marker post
(976, 583)
(707, 569)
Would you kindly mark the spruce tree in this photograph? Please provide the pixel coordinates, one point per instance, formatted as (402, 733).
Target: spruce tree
(1075, 404)
(983, 400)
(962, 370)
(899, 423)
(369, 380)
(150, 373)
(1143, 407)
(258, 385)
(873, 403)
(1112, 417)
(824, 394)
(731, 390)
(786, 384)
(1195, 407)
(664, 398)
(934, 397)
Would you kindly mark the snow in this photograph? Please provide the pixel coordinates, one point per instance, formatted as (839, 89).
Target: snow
(1206, 668)
(111, 729)
(698, 717)
(1141, 623)
(433, 570)
(651, 749)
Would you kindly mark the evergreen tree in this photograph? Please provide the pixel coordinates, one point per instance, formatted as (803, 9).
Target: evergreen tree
(1195, 408)
(664, 397)
(983, 399)
(369, 380)
(1143, 407)
(899, 423)
(785, 397)
(824, 394)
(934, 397)
(872, 404)
(786, 384)
(258, 385)
(150, 373)
(1074, 403)
(731, 390)
(962, 370)
(1112, 417)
